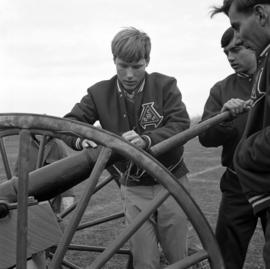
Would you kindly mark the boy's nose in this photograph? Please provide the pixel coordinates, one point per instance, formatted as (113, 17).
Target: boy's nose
(129, 72)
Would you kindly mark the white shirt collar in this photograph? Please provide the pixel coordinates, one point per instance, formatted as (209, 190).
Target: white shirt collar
(243, 75)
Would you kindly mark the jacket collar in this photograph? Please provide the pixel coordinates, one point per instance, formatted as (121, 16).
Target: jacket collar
(121, 88)
(244, 75)
(265, 51)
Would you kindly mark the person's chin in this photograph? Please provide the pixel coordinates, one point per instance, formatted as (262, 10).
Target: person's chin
(130, 87)
(236, 68)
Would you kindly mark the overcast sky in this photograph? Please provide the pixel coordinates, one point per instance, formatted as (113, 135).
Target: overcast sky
(51, 51)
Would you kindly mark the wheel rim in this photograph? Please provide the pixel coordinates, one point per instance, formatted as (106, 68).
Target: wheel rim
(57, 127)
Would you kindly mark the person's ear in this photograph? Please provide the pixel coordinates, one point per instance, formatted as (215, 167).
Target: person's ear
(261, 14)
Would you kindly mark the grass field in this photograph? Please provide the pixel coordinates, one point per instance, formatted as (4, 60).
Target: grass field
(205, 171)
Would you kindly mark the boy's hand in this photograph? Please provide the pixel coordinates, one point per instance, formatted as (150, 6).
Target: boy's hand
(134, 139)
(88, 143)
(237, 106)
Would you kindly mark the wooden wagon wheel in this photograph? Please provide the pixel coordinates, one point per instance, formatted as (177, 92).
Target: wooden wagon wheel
(111, 143)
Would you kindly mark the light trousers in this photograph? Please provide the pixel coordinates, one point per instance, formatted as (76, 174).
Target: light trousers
(167, 226)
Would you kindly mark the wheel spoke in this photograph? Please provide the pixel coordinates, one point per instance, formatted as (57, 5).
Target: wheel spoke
(189, 261)
(100, 221)
(96, 249)
(76, 217)
(130, 230)
(5, 159)
(99, 186)
(23, 167)
(41, 150)
(65, 262)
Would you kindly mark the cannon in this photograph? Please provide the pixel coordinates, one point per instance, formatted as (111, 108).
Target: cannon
(52, 179)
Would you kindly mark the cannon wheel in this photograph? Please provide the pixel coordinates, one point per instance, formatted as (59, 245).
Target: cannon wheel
(26, 124)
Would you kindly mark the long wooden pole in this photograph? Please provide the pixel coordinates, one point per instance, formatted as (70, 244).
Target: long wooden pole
(185, 136)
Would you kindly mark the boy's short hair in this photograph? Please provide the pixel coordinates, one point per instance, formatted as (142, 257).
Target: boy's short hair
(244, 6)
(224, 8)
(131, 45)
(227, 37)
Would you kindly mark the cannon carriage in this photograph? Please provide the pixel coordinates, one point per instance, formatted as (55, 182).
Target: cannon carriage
(88, 166)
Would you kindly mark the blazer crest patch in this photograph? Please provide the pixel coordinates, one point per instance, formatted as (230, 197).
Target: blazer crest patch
(149, 116)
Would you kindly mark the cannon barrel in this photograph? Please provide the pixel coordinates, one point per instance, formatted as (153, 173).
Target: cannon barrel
(51, 180)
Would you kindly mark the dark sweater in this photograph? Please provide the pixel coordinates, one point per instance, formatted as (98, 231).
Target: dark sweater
(252, 156)
(226, 134)
(229, 133)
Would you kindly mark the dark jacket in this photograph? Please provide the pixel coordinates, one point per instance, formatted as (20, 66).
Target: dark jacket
(159, 112)
(226, 134)
(252, 156)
